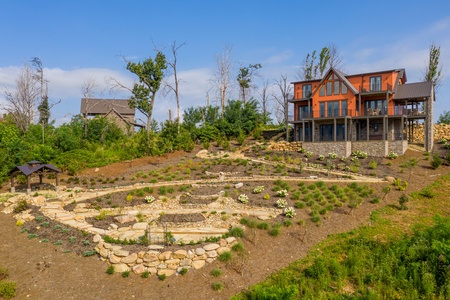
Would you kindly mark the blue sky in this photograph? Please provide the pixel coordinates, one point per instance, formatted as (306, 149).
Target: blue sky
(80, 40)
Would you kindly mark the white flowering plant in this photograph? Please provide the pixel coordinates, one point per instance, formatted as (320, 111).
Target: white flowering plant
(332, 155)
(258, 189)
(281, 203)
(282, 193)
(289, 212)
(392, 155)
(243, 198)
(149, 199)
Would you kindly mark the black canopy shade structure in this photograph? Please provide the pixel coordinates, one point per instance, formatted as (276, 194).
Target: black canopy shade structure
(33, 167)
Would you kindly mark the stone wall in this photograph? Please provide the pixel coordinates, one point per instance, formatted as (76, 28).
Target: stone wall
(285, 146)
(373, 148)
(159, 263)
(323, 148)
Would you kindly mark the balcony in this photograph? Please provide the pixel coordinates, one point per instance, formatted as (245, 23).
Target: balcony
(375, 88)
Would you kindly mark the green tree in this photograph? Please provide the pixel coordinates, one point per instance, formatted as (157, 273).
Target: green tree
(244, 79)
(444, 118)
(150, 73)
(433, 69)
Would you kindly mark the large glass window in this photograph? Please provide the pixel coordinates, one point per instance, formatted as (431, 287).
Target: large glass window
(322, 109)
(329, 85)
(337, 85)
(303, 112)
(326, 132)
(376, 107)
(322, 91)
(307, 91)
(344, 108)
(375, 83)
(333, 109)
(344, 89)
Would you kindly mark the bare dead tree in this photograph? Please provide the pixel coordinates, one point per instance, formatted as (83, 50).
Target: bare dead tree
(221, 77)
(281, 98)
(335, 60)
(174, 88)
(21, 104)
(263, 93)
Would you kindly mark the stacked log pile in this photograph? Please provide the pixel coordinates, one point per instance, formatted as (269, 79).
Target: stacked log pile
(441, 131)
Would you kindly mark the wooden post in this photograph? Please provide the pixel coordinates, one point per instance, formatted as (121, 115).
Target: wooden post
(13, 189)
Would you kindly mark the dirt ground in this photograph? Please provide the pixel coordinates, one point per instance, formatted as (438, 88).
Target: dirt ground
(45, 271)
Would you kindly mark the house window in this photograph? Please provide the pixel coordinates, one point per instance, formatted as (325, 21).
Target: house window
(344, 89)
(375, 83)
(303, 112)
(326, 132)
(307, 90)
(344, 108)
(333, 109)
(329, 85)
(376, 107)
(322, 109)
(337, 85)
(322, 91)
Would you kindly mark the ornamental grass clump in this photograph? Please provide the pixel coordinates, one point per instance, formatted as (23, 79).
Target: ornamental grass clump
(289, 212)
(243, 198)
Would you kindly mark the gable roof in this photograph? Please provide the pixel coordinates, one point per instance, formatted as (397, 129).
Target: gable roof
(95, 106)
(34, 166)
(341, 76)
(414, 90)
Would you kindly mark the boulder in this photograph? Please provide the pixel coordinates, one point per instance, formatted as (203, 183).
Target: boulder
(120, 268)
(130, 259)
(210, 247)
(198, 264)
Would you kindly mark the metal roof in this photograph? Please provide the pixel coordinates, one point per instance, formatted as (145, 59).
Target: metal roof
(94, 106)
(29, 168)
(414, 90)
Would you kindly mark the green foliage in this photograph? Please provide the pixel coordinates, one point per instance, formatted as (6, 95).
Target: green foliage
(110, 270)
(125, 274)
(7, 289)
(217, 286)
(225, 256)
(436, 162)
(216, 272)
(150, 74)
(444, 118)
(236, 232)
(21, 206)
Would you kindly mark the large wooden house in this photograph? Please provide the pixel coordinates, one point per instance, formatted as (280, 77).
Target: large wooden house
(374, 112)
(116, 110)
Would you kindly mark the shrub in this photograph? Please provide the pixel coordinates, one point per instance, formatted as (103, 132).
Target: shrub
(300, 204)
(21, 206)
(266, 196)
(373, 165)
(282, 193)
(309, 154)
(392, 155)
(321, 157)
(258, 189)
(436, 162)
(402, 201)
(7, 289)
(263, 225)
(289, 212)
(146, 274)
(149, 199)
(243, 198)
(129, 198)
(359, 154)
(238, 247)
(332, 155)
